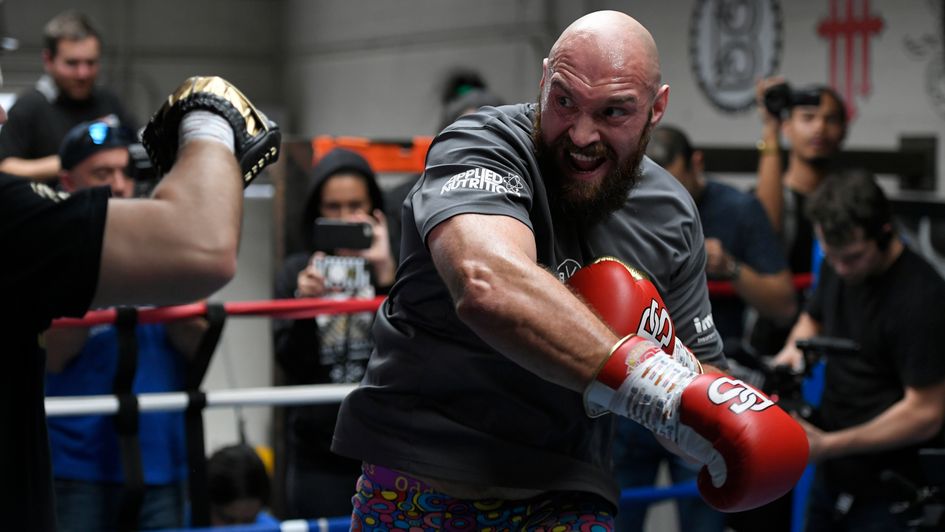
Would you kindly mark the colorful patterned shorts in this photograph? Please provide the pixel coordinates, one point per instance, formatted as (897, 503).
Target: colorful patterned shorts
(387, 500)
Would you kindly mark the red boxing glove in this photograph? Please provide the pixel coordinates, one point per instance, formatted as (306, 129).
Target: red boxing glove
(627, 301)
(752, 450)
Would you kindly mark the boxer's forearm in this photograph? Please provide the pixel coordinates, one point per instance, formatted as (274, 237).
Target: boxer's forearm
(515, 305)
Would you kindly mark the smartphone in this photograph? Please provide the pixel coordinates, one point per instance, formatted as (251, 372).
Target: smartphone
(337, 234)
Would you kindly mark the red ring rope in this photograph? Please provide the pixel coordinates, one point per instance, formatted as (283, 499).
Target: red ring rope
(291, 309)
(725, 288)
(294, 309)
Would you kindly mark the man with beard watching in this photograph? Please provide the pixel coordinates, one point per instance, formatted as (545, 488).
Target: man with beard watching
(471, 414)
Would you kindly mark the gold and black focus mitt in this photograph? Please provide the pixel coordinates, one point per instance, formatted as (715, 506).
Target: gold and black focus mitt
(257, 139)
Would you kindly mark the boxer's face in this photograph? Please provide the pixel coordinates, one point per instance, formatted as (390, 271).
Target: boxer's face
(74, 67)
(104, 168)
(815, 132)
(591, 132)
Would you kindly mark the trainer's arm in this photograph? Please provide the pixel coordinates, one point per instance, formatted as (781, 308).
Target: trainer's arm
(913, 419)
(179, 245)
(501, 293)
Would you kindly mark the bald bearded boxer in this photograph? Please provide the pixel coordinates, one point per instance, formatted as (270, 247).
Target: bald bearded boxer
(472, 411)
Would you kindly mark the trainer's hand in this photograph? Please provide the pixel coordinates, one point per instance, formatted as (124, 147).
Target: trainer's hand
(257, 139)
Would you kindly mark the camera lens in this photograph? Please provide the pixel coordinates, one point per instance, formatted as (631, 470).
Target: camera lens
(777, 98)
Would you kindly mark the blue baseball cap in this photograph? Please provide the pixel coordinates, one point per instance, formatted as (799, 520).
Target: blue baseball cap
(89, 138)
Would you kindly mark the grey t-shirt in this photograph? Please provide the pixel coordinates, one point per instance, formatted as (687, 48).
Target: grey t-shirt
(658, 231)
(436, 400)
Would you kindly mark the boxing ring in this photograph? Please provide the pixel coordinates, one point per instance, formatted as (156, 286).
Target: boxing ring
(193, 400)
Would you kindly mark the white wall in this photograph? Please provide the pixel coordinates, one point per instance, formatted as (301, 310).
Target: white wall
(371, 68)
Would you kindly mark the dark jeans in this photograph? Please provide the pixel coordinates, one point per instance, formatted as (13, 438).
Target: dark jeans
(82, 506)
(637, 457)
(864, 515)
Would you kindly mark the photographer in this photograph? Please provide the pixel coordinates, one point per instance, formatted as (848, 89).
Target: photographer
(813, 121)
(883, 403)
(332, 348)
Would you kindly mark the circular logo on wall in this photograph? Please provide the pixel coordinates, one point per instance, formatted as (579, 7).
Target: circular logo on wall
(731, 44)
(935, 82)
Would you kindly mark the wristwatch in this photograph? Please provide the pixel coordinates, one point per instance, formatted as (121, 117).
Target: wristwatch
(764, 148)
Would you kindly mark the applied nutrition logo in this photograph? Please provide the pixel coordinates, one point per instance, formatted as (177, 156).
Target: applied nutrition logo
(485, 180)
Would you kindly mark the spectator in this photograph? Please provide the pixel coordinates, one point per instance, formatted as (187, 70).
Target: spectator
(741, 248)
(332, 348)
(813, 120)
(63, 97)
(885, 402)
(740, 245)
(465, 92)
(87, 467)
(238, 486)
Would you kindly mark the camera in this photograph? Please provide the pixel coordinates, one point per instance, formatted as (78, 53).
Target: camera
(781, 97)
(786, 384)
(139, 165)
(332, 234)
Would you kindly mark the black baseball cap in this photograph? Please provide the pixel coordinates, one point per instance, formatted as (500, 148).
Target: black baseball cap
(89, 138)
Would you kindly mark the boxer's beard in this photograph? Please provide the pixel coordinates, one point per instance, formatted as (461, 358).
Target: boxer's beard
(587, 203)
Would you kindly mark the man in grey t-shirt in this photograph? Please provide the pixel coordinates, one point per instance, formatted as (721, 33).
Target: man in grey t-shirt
(471, 411)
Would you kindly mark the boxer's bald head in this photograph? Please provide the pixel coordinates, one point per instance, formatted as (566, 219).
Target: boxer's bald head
(607, 45)
(600, 95)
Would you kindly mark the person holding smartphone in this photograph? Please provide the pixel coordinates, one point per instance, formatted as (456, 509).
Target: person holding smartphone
(349, 255)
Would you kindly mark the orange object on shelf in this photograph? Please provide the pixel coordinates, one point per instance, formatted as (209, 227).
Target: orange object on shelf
(383, 155)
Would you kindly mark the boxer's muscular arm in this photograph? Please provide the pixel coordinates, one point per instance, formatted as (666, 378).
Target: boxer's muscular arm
(501, 293)
(180, 244)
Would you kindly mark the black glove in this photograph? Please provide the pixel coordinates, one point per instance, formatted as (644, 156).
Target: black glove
(257, 139)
